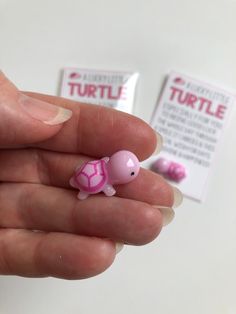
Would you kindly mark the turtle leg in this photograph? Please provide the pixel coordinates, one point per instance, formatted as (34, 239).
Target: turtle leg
(109, 190)
(106, 159)
(82, 195)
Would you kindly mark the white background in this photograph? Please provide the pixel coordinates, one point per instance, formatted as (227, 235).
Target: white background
(190, 268)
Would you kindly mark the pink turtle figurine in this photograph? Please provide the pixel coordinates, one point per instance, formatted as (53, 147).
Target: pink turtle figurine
(100, 175)
(169, 169)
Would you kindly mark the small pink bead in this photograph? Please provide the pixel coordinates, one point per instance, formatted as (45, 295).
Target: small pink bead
(161, 165)
(176, 172)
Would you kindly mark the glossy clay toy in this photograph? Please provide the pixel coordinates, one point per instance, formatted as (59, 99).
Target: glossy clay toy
(100, 175)
(169, 169)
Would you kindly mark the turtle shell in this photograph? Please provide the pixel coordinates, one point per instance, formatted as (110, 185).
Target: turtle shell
(92, 176)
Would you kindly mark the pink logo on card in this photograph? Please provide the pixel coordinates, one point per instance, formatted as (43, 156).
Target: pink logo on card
(179, 80)
(75, 75)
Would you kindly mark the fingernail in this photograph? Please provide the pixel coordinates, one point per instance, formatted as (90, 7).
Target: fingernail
(167, 214)
(119, 247)
(43, 111)
(159, 144)
(178, 197)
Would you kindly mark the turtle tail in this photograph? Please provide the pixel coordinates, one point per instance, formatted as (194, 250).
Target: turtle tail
(72, 182)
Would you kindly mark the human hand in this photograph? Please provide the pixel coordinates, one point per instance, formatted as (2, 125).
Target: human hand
(44, 229)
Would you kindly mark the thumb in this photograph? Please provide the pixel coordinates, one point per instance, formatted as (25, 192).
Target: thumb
(25, 120)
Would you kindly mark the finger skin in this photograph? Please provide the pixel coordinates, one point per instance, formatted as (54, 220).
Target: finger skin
(99, 131)
(148, 187)
(39, 254)
(55, 169)
(34, 206)
(17, 128)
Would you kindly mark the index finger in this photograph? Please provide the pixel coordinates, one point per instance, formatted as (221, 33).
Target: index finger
(95, 130)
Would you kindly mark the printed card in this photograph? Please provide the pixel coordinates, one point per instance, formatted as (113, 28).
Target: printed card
(191, 116)
(108, 88)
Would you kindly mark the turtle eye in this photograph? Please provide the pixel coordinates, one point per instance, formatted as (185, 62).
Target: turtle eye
(132, 173)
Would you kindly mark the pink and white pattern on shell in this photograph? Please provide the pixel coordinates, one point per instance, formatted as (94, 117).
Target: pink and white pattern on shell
(169, 169)
(92, 176)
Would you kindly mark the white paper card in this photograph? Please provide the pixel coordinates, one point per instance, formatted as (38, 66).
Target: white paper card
(191, 116)
(108, 88)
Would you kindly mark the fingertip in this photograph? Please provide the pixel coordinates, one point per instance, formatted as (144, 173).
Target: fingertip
(151, 222)
(104, 254)
(80, 258)
(21, 117)
(159, 143)
(155, 221)
(147, 140)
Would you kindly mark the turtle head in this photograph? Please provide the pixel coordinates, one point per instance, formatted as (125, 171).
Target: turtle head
(122, 167)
